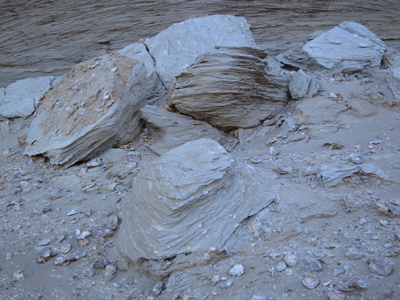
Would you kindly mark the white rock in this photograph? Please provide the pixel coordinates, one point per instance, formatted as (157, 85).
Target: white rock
(349, 47)
(237, 270)
(175, 48)
(20, 98)
(303, 85)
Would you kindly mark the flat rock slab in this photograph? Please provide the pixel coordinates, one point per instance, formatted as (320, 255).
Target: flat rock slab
(349, 47)
(176, 48)
(170, 130)
(95, 106)
(188, 200)
(229, 88)
(20, 98)
(303, 85)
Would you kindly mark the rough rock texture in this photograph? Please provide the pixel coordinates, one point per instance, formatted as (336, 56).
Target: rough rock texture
(190, 199)
(393, 80)
(20, 98)
(170, 130)
(176, 48)
(303, 85)
(93, 107)
(349, 47)
(139, 52)
(229, 89)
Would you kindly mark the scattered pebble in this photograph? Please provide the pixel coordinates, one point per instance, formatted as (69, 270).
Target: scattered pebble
(281, 266)
(353, 253)
(312, 264)
(291, 260)
(383, 268)
(237, 270)
(310, 283)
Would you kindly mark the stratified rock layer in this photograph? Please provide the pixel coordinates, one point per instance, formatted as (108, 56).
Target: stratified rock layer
(190, 199)
(229, 89)
(349, 47)
(94, 107)
(170, 130)
(176, 48)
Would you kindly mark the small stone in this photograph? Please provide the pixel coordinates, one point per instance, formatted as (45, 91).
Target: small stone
(388, 292)
(81, 235)
(87, 212)
(273, 151)
(258, 298)
(110, 272)
(381, 268)
(17, 276)
(312, 264)
(157, 289)
(281, 266)
(73, 212)
(357, 283)
(83, 243)
(357, 158)
(284, 170)
(237, 270)
(353, 253)
(65, 248)
(100, 233)
(270, 141)
(215, 279)
(310, 283)
(291, 260)
(46, 254)
(336, 296)
(338, 271)
(384, 222)
(44, 242)
(46, 210)
(101, 263)
(95, 162)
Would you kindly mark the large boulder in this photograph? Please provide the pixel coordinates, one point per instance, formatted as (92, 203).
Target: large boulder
(349, 47)
(176, 48)
(229, 88)
(170, 130)
(95, 106)
(188, 200)
(20, 98)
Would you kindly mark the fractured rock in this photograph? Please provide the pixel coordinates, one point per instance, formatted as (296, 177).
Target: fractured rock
(170, 130)
(95, 106)
(20, 98)
(303, 85)
(190, 199)
(229, 89)
(176, 48)
(349, 47)
(393, 80)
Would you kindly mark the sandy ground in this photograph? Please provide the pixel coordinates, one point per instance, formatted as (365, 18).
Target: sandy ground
(344, 238)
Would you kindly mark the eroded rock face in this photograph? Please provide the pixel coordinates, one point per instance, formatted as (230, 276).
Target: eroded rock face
(93, 107)
(176, 48)
(190, 199)
(229, 88)
(349, 47)
(170, 130)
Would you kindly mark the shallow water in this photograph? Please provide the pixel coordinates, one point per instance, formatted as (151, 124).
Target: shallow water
(45, 37)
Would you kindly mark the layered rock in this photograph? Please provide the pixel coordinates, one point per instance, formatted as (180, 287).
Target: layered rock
(170, 130)
(176, 48)
(20, 98)
(393, 81)
(95, 106)
(190, 199)
(229, 88)
(349, 47)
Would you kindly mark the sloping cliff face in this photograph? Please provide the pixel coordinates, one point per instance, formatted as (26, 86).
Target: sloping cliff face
(43, 36)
